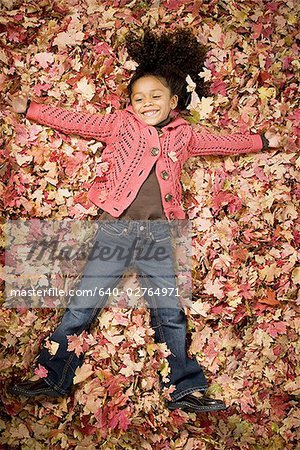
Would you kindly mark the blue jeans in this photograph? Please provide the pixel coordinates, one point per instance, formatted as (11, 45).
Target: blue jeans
(124, 243)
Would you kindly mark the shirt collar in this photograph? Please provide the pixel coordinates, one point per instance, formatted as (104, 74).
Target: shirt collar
(175, 119)
(165, 122)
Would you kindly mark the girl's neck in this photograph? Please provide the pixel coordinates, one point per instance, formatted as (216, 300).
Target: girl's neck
(164, 122)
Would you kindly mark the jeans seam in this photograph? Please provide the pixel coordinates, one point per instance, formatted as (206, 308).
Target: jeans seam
(152, 299)
(55, 386)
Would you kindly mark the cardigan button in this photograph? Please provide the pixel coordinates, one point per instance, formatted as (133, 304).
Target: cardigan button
(168, 197)
(154, 151)
(164, 175)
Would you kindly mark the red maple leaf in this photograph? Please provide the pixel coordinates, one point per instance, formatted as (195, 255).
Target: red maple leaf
(276, 328)
(279, 405)
(77, 344)
(120, 419)
(41, 371)
(218, 87)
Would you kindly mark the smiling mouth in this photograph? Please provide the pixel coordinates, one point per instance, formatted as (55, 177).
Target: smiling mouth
(150, 113)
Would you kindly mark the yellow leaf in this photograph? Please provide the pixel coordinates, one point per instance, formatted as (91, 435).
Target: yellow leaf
(203, 107)
(215, 34)
(53, 347)
(200, 307)
(164, 369)
(266, 93)
(205, 74)
(82, 373)
(202, 224)
(23, 159)
(86, 88)
(191, 85)
(290, 212)
(292, 19)
(268, 273)
(296, 275)
(70, 39)
(151, 349)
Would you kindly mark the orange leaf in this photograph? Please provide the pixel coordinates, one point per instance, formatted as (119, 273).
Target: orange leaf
(270, 299)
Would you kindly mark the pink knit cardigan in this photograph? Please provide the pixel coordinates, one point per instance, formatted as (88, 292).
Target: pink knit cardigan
(132, 149)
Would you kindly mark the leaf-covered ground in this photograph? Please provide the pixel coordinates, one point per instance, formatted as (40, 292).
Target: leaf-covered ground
(244, 324)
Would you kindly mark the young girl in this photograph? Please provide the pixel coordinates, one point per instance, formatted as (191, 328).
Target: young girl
(147, 144)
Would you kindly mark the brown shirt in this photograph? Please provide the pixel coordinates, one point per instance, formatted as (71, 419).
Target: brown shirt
(147, 205)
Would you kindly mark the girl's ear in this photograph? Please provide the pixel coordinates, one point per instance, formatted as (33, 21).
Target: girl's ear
(174, 101)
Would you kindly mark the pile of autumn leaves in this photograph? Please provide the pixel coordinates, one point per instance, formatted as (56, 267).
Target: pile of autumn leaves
(244, 321)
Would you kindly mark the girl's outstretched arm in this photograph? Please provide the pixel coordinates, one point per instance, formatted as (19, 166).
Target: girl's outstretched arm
(102, 127)
(204, 143)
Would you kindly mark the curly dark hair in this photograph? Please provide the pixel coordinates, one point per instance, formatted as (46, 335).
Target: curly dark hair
(170, 57)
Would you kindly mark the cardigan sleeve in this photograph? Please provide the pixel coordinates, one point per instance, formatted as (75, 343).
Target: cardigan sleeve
(204, 143)
(102, 127)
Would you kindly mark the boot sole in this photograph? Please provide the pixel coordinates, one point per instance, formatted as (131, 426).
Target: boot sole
(188, 408)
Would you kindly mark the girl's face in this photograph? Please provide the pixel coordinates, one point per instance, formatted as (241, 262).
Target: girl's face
(151, 100)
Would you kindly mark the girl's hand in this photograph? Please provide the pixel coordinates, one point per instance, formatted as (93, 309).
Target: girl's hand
(18, 103)
(275, 140)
